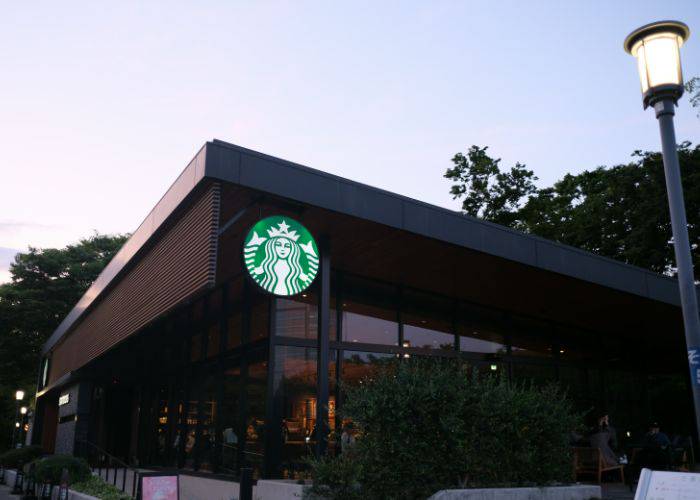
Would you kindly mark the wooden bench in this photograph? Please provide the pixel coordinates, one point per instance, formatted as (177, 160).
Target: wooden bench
(590, 461)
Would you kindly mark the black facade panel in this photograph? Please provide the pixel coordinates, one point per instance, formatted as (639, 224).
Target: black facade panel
(371, 205)
(266, 175)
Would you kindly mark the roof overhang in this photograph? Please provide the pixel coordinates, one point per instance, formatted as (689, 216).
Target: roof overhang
(226, 162)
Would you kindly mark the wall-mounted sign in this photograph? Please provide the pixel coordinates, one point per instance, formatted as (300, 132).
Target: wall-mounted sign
(157, 486)
(281, 255)
(64, 399)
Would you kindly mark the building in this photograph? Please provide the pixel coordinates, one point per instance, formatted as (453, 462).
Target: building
(179, 355)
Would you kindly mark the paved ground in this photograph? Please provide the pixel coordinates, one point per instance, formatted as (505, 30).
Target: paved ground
(5, 493)
(617, 492)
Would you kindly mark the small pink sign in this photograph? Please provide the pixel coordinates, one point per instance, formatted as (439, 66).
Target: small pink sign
(159, 488)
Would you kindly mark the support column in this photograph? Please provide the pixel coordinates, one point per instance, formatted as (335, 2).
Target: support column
(324, 315)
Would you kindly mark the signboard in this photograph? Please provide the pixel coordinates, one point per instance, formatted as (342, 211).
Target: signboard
(64, 399)
(155, 486)
(281, 255)
(665, 485)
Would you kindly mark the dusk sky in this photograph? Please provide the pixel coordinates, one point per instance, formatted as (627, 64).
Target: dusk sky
(103, 104)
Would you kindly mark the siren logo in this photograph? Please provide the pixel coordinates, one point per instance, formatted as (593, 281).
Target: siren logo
(281, 255)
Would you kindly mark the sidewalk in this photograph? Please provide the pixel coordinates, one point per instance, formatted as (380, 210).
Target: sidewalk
(617, 492)
(5, 493)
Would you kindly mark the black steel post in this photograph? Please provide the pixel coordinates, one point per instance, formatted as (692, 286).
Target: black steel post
(246, 484)
(324, 315)
(681, 246)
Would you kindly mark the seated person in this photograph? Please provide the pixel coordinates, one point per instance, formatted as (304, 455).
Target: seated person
(656, 449)
(604, 438)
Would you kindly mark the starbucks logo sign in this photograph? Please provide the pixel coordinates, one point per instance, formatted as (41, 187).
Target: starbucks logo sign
(281, 255)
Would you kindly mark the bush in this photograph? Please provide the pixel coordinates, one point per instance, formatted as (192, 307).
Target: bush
(335, 478)
(18, 457)
(431, 424)
(98, 488)
(50, 469)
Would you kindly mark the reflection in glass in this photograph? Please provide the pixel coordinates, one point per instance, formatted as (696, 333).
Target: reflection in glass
(427, 321)
(299, 318)
(259, 319)
(534, 373)
(255, 422)
(295, 388)
(230, 408)
(358, 365)
(369, 324)
(480, 340)
(531, 345)
(213, 340)
(233, 333)
(207, 441)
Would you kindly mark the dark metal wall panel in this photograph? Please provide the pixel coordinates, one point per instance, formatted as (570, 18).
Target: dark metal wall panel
(179, 265)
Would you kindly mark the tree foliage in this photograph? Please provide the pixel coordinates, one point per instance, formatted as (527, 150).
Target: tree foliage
(619, 212)
(46, 284)
(427, 424)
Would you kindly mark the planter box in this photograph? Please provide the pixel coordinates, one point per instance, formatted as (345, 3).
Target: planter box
(577, 492)
(72, 495)
(277, 490)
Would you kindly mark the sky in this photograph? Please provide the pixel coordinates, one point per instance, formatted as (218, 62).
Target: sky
(103, 104)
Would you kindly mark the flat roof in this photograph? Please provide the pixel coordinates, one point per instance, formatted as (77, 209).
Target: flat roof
(219, 160)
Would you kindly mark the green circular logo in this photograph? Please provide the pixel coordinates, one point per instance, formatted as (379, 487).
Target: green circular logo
(281, 255)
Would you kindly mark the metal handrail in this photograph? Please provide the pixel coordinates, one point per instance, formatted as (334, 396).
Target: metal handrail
(112, 463)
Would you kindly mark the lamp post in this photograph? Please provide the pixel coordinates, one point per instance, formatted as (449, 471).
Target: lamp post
(19, 396)
(23, 421)
(657, 49)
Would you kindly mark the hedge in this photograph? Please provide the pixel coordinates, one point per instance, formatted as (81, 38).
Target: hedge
(431, 424)
(18, 457)
(50, 469)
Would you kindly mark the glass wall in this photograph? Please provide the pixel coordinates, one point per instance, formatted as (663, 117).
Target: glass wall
(241, 394)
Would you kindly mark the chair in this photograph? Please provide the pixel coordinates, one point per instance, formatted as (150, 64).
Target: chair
(590, 461)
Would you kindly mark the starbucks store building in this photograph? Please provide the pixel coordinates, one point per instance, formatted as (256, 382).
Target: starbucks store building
(222, 333)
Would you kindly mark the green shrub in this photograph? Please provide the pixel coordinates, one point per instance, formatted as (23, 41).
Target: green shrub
(98, 488)
(20, 456)
(431, 424)
(335, 478)
(50, 469)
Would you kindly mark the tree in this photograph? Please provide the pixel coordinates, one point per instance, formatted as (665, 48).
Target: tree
(489, 193)
(46, 284)
(619, 212)
(692, 87)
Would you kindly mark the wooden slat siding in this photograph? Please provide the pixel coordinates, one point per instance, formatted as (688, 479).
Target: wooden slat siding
(181, 264)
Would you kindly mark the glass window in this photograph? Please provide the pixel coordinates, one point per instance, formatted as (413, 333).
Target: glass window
(230, 425)
(359, 365)
(259, 318)
(234, 293)
(295, 391)
(191, 410)
(369, 312)
(299, 317)
(213, 340)
(531, 340)
(427, 322)
(196, 347)
(533, 373)
(207, 441)
(162, 424)
(256, 387)
(215, 302)
(233, 331)
(478, 331)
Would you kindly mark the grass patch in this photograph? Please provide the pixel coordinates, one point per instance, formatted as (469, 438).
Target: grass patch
(96, 487)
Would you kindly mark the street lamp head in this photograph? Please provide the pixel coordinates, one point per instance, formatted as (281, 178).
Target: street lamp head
(23, 410)
(19, 395)
(17, 424)
(657, 49)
